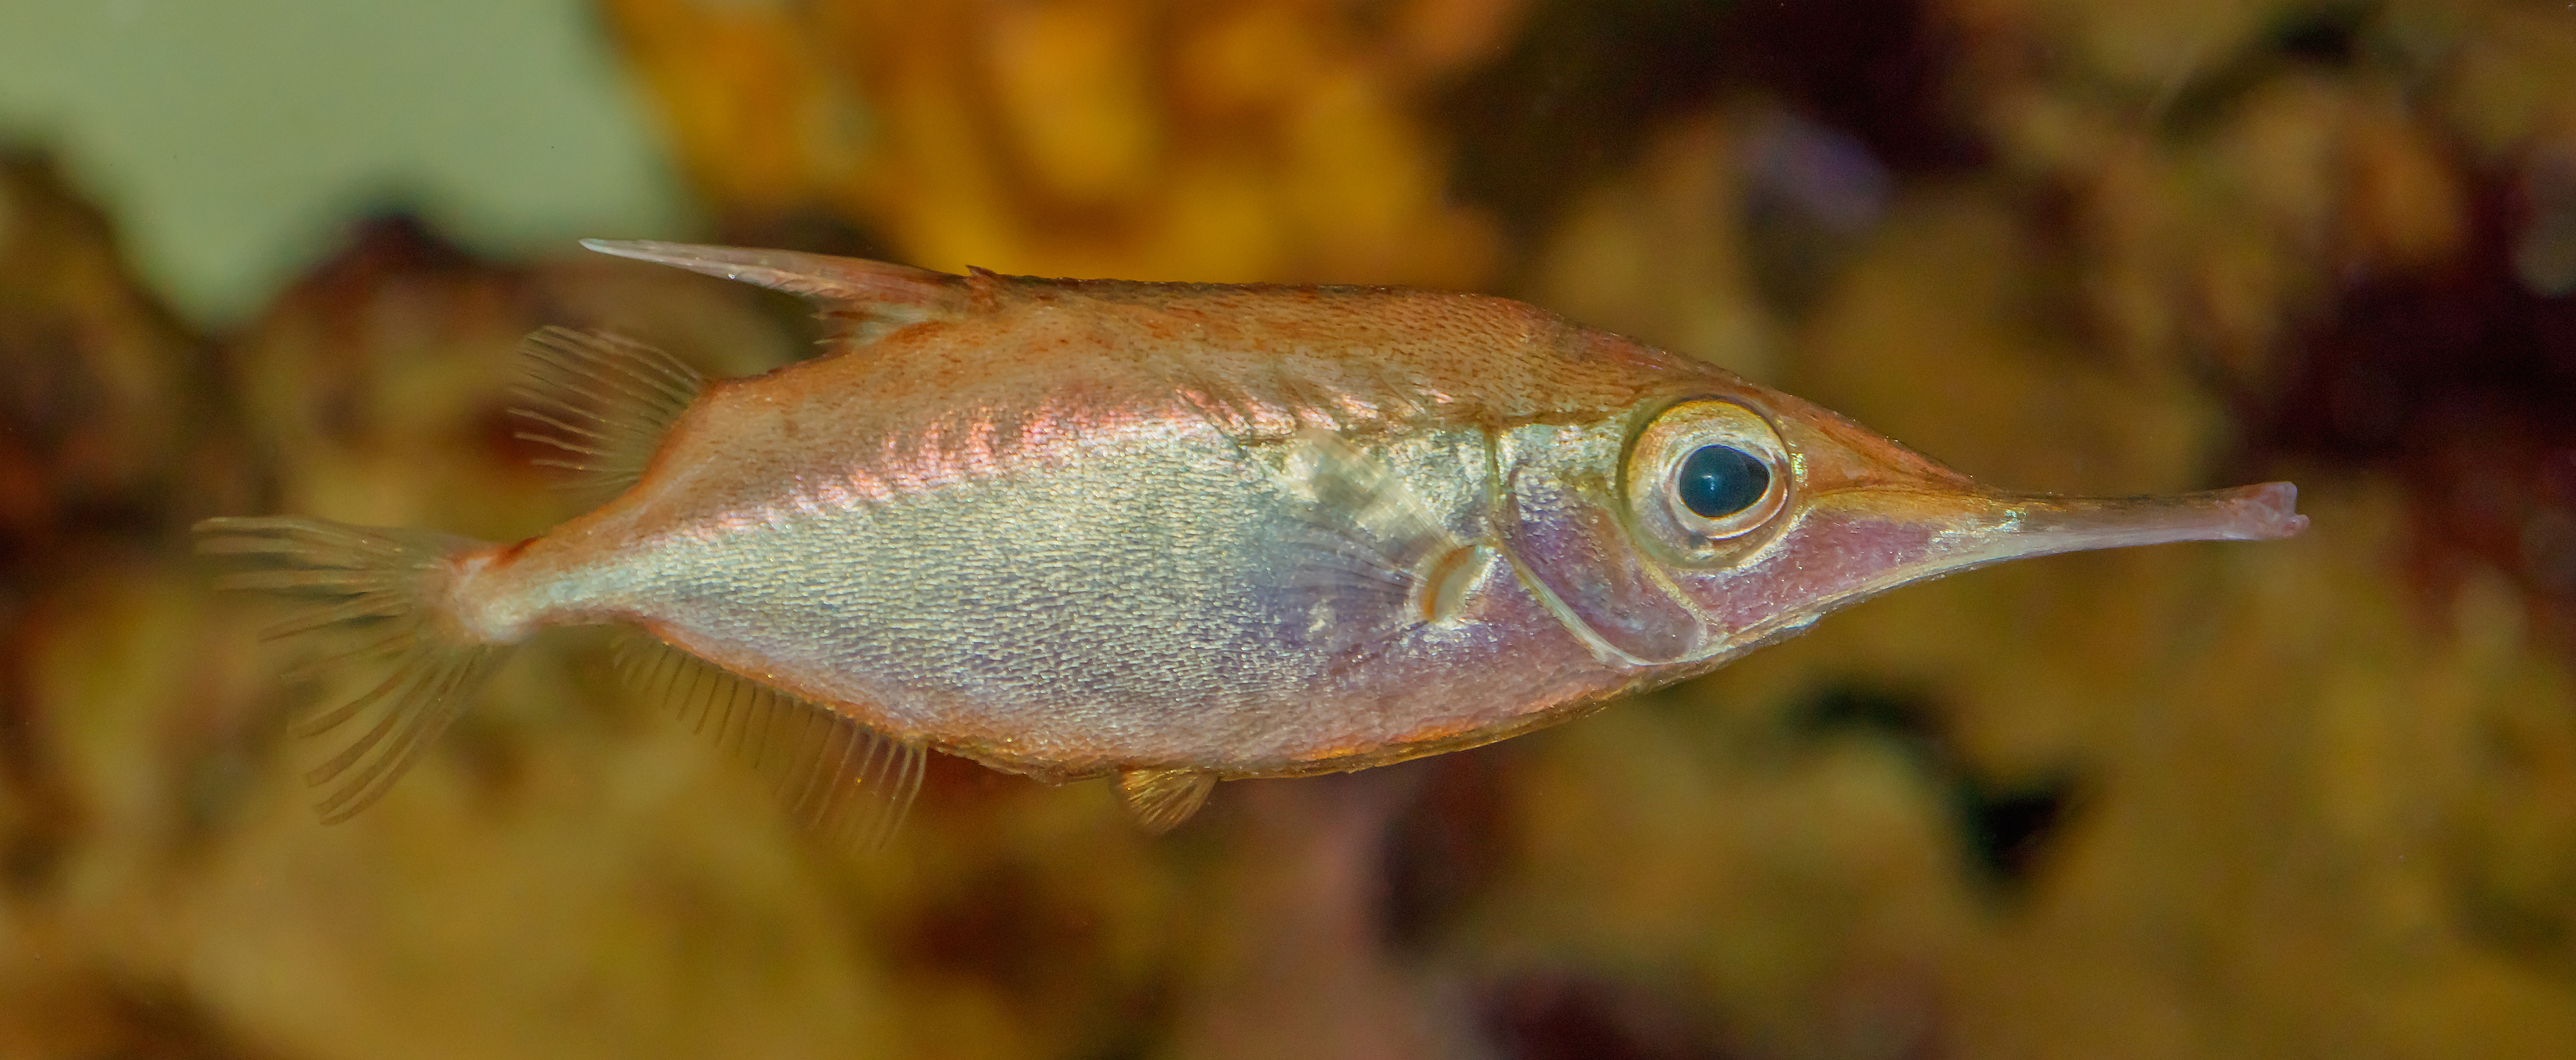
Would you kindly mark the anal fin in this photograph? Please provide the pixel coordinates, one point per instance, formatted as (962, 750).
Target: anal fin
(1163, 798)
(849, 783)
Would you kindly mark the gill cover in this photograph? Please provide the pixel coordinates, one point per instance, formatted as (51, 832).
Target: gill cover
(1594, 518)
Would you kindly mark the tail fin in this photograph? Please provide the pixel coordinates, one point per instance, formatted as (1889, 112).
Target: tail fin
(373, 600)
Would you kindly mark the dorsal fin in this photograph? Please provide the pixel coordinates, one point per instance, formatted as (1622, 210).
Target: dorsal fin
(1163, 798)
(849, 783)
(604, 401)
(869, 297)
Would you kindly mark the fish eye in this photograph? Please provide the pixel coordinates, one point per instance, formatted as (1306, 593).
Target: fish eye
(1717, 481)
(1704, 472)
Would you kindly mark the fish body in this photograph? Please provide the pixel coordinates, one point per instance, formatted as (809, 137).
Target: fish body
(1186, 532)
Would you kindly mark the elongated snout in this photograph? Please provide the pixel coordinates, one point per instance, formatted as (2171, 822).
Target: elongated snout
(2015, 526)
(1954, 531)
(1851, 544)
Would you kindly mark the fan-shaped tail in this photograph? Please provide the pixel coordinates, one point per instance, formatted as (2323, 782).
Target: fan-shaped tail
(374, 605)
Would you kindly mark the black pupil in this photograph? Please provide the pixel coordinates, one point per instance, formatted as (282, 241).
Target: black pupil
(1718, 481)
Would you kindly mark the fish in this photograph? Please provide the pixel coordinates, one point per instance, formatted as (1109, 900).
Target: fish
(1166, 533)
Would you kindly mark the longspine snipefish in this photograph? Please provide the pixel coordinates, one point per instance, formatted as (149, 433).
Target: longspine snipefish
(1172, 532)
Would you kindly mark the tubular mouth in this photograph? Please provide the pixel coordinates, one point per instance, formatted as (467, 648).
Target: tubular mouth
(2038, 525)
(2266, 512)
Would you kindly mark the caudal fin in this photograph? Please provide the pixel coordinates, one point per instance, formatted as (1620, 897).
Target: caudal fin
(373, 603)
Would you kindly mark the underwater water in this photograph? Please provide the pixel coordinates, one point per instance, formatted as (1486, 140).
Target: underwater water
(2308, 797)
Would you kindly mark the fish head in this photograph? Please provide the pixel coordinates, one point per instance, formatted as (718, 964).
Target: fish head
(1719, 515)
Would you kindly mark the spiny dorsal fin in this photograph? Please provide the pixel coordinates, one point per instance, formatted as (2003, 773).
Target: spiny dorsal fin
(1163, 798)
(847, 782)
(869, 297)
(604, 401)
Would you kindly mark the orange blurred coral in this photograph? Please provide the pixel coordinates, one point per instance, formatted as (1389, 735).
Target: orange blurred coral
(1249, 140)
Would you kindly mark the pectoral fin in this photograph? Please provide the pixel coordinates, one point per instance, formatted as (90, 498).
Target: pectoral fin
(1371, 559)
(1163, 798)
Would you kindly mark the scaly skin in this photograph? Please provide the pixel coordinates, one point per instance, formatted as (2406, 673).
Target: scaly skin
(1070, 528)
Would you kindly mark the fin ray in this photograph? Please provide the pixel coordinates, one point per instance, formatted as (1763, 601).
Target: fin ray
(607, 401)
(373, 593)
(845, 781)
(1163, 798)
(1371, 555)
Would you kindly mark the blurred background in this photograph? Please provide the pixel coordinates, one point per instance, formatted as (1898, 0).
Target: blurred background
(2311, 798)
